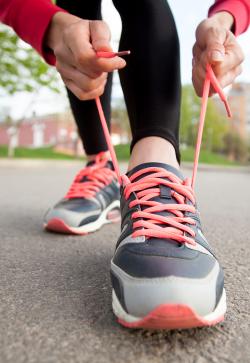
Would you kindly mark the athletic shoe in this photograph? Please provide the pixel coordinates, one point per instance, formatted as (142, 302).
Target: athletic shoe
(164, 273)
(91, 202)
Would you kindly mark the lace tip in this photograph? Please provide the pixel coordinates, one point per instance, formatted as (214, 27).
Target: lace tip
(106, 54)
(229, 112)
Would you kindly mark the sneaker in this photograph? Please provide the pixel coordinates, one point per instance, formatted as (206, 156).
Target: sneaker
(164, 273)
(91, 202)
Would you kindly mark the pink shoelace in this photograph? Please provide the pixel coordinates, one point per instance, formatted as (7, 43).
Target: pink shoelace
(92, 178)
(148, 223)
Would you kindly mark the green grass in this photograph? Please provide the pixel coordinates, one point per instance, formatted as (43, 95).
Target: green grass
(206, 157)
(187, 155)
(39, 153)
(122, 152)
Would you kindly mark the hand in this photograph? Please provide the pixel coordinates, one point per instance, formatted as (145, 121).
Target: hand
(216, 44)
(74, 42)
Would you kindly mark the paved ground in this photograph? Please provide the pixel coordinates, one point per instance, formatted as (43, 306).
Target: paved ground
(55, 290)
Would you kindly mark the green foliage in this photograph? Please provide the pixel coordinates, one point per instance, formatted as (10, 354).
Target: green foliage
(21, 68)
(236, 147)
(206, 157)
(215, 127)
(190, 106)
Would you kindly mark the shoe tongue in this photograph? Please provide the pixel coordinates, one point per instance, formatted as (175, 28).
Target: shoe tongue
(156, 165)
(108, 165)
(165, 192)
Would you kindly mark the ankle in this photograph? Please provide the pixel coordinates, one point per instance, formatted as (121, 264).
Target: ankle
(92, 157)
(153, 149)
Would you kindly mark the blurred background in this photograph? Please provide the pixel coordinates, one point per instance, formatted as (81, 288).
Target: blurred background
(36, 121)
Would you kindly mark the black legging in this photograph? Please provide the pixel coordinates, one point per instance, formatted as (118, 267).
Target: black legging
(151, 79)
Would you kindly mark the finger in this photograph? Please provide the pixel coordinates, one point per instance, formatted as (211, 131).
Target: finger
(215, 39)
(197, 83)
(199, 72)
(83, 56)
(87, 61)
(198, 79)
(100, 36)
(82, 95)
(100, 39)
(196, 51)
(198, 86)
(81, 80)
(77, 37)
(230, 76)
(233, 58)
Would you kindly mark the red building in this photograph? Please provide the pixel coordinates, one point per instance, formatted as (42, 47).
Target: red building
(52, 130)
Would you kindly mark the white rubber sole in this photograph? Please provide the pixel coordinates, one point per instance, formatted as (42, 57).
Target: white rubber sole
(170, 316)
(58, 225)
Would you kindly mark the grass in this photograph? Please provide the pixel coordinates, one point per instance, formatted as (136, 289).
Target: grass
(122, 152)
(39, 153)
(206, 157)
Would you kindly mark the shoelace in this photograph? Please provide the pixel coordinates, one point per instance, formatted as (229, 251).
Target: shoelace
(91, 179)
(148, 223)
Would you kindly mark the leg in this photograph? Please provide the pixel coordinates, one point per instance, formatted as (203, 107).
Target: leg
(93, 197)
(151, 80)
(85, 112)
(164, 274)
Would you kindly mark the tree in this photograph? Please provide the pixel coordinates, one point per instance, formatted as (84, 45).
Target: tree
(215, 127)
(189, 115)
(235, 147)
(21, 68)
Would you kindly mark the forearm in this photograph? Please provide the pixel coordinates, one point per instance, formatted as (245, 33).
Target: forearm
(30, 20)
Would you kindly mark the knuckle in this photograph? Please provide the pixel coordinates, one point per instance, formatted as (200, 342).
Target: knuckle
(81, 95)
(100, 90)
(214, 31)
(90, 85)
(57, 50)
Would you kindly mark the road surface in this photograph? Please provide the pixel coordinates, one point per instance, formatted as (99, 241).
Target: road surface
(55, 296)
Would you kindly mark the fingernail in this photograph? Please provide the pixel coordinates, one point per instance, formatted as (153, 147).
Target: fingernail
(217, 56)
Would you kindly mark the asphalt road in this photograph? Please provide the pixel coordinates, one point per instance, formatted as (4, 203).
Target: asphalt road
(55, 296)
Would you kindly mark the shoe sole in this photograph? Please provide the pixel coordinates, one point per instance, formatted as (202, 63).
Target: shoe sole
(59, 226)
(170, 316)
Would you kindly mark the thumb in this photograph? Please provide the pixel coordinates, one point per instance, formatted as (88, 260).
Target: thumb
(100, 36)
(215, 45)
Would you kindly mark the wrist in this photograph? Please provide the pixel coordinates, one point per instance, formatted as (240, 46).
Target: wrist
(224, 19)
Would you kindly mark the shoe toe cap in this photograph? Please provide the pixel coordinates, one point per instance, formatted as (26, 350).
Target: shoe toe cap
(73, 213)
(143, 282)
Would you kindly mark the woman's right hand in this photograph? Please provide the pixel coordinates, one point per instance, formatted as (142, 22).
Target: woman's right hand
(75, 42)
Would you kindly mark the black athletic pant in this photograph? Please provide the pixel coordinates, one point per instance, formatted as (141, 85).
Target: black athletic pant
(151, 79)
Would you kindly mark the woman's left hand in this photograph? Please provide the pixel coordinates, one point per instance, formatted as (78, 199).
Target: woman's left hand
(215, 44)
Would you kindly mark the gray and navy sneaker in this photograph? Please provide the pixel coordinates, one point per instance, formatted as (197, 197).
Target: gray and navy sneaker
(92, 200)
(164, 273)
